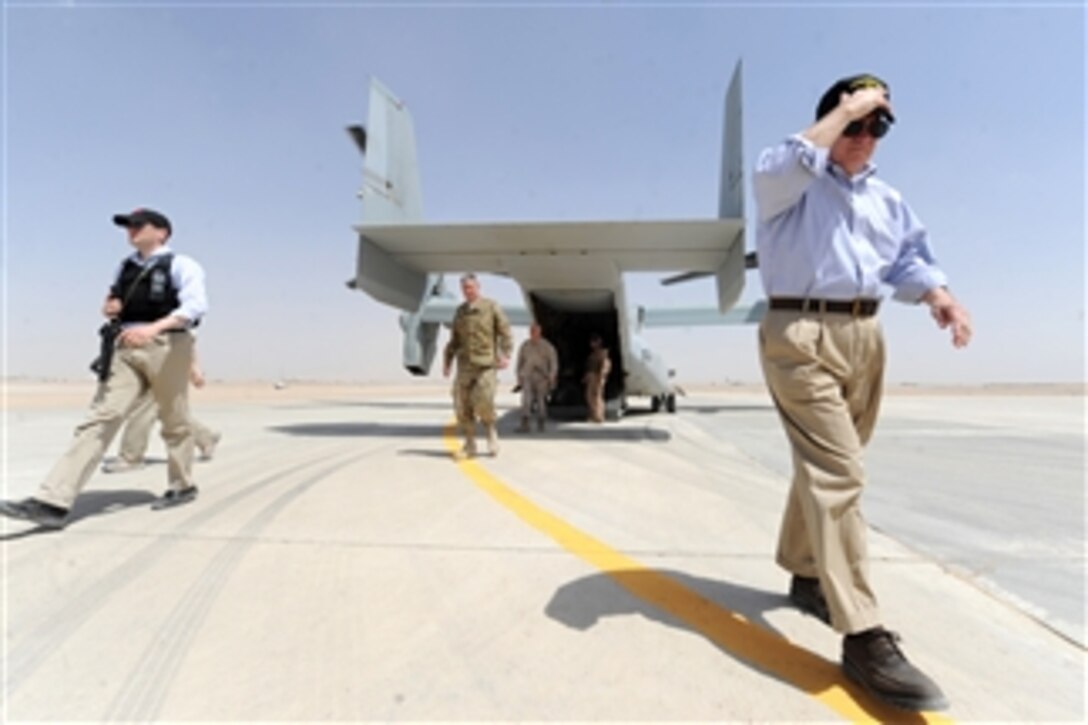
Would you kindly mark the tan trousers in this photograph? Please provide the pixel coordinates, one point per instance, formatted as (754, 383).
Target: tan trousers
(535, 389)
(161, 366)
(825, 374)
(137, 432)
(595, 397)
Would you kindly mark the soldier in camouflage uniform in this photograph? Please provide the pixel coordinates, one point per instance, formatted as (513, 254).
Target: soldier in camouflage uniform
(537, 368)
(481, 343)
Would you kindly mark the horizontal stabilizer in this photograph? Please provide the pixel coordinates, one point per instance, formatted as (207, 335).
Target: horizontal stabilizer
(632, 246)
(751, 261)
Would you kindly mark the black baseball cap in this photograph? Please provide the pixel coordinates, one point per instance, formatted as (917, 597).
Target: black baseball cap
(138, 217)
(830, 98)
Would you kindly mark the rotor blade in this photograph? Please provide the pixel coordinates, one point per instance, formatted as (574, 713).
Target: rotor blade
(685, 277)
(751, 261)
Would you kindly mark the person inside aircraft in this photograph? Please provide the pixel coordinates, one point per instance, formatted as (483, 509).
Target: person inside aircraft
(481, 343)
(598, 365)
(537, 370)
(830, 234)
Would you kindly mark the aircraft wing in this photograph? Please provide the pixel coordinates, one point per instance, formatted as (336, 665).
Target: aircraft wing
(500, 248)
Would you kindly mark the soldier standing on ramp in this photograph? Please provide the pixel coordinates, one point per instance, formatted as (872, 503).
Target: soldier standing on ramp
(481, 343)
(598, 365)
(537, 368)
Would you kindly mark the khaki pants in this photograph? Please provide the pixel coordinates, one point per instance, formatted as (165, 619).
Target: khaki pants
(825, 374)
(595, 397)
(137, 432)
(474, 395)
(535, 389)
(161, 367)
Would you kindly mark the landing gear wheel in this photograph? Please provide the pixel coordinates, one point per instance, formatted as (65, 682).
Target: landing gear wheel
(655, 404)
(670, 402)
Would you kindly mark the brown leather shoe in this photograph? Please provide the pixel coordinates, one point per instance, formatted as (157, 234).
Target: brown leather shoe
(806, 595)
(873, 660)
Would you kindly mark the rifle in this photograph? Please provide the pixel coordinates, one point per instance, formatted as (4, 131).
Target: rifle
(108, 334)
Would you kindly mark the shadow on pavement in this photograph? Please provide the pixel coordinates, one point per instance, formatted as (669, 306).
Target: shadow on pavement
(506, 424)
(92, 503)
(582, 603)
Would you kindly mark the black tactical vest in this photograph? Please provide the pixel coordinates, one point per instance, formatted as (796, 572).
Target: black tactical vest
(154, 295)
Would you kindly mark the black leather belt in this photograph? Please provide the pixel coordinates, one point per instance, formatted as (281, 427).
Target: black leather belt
(856, 308)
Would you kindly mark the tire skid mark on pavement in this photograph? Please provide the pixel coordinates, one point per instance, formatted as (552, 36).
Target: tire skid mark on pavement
(25, 554)
(36, 642)
(146, 689)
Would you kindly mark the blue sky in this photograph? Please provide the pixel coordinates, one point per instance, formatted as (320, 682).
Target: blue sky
(230, 119)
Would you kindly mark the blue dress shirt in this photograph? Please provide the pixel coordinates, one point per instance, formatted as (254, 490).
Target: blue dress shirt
(824, 235)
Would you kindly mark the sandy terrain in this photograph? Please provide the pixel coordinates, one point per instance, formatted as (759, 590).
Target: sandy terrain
(22, 394)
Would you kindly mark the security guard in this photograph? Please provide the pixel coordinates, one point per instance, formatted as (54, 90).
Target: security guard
(481, 343)
(537, 368)
(156, 297)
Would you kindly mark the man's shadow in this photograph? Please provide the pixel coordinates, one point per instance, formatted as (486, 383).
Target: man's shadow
(92, 503)
(710, 609)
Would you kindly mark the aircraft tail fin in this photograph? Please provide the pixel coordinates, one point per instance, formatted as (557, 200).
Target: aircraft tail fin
(731, 201)
(391, 194)
(391, 191)
(730, 276)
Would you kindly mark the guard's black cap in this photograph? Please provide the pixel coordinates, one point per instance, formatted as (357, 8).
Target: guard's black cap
(138, 217)
(830, 98)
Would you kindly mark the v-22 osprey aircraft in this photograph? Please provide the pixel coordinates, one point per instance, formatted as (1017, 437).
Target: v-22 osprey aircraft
(570, 273)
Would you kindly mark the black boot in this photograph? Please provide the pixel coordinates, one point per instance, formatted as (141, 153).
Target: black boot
(873, 660)
(40, 512)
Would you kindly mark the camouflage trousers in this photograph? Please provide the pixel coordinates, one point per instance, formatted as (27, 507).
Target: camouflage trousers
(474, 394)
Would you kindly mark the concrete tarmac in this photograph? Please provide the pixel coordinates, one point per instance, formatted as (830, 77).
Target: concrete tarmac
(339, 565)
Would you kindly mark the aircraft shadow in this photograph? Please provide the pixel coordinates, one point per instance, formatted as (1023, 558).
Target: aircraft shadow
(570, 430)
(361, 430)
(425, 452)
(715, 408)
(580, 604)
(506, 425)
(389, 404)
(92, 503)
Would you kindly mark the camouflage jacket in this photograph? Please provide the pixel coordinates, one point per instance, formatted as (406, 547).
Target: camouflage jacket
(480, 334)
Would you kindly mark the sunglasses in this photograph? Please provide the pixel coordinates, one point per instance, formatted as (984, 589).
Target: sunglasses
(877, 127)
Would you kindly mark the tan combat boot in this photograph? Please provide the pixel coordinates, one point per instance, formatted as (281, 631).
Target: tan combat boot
(468, 450)
(540, 424)
(524, 427)
(492, 440)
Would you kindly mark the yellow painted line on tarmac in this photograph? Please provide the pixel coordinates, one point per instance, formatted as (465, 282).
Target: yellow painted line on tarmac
(762, 649)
